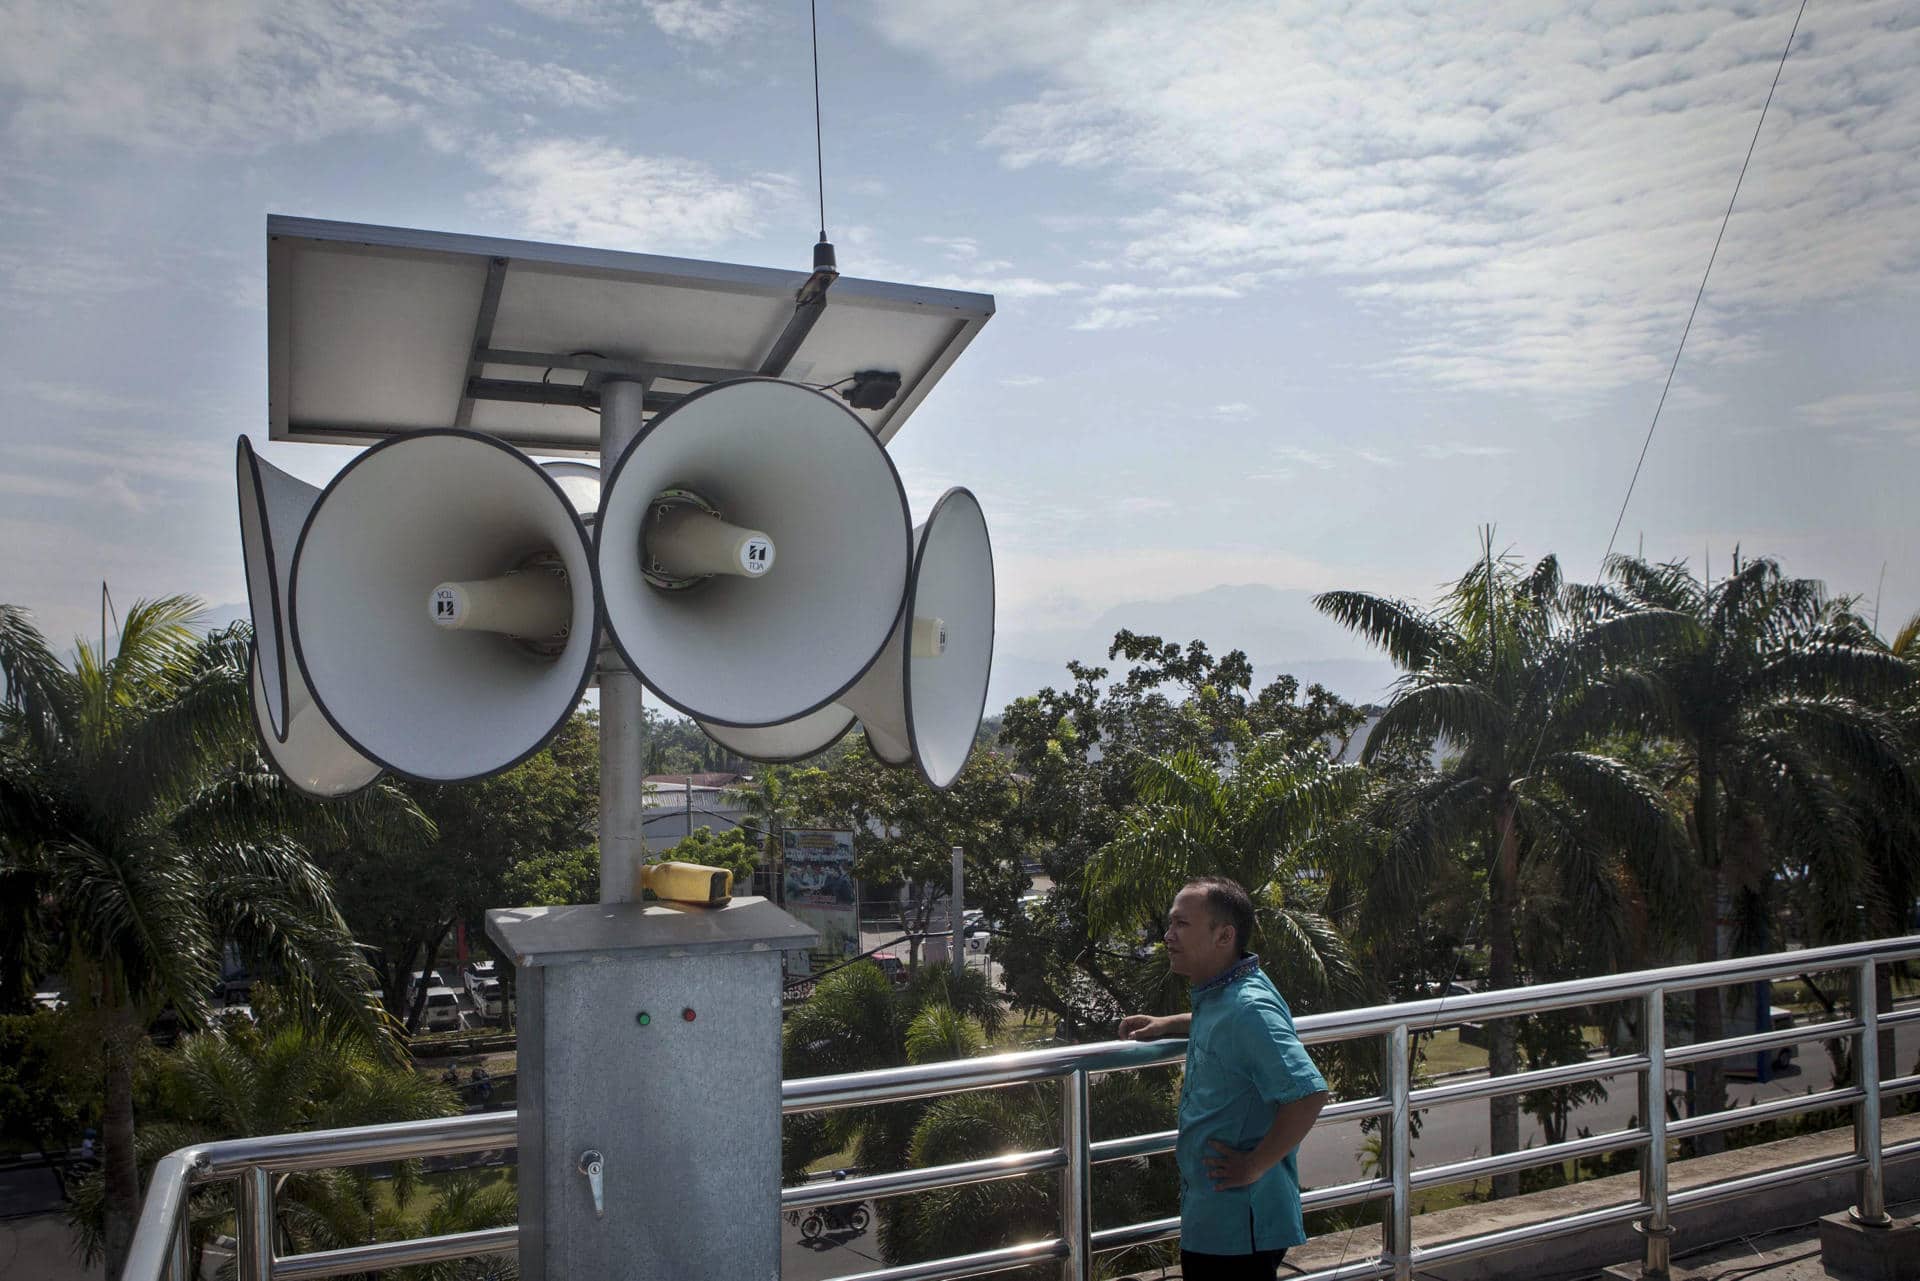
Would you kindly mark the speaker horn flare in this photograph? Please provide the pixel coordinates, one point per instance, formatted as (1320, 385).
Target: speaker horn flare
(273, 506)
(415, 514)
(923, 698)
(756, 459)
(311, 756)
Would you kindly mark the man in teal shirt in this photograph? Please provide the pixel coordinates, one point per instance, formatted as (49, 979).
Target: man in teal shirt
(1249, 1096)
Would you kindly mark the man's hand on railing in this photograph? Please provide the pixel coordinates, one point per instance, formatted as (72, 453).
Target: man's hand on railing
(1145, 1027)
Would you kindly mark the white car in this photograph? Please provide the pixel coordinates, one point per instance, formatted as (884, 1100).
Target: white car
(432, 978)
(479, 973)
(487, 996)
(443, 1011)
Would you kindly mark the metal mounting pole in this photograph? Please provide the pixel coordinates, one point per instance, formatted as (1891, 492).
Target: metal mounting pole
(622, 759)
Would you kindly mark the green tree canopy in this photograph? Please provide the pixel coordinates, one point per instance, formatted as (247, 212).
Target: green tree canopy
(140, 831)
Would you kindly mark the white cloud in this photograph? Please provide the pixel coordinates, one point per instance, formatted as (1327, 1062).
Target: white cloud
(1001, 286)
(232, 75)
(1860, 416)
(1535, 187)
(710, 22)
(1455, 449)
(1304, 457)
(89, 399)
(1238, 411)
(1376, 457)
(1100, 318)
(1022, 380)
(593, 192)
(30, 277)
(586, 13)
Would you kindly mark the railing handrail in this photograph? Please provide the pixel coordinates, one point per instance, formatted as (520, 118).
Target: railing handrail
(924, 1080)
(158, 1240)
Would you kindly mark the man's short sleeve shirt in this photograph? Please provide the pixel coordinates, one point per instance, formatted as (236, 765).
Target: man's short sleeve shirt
(1243, 1061)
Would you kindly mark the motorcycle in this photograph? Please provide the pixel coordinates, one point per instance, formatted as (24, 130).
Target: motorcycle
(820, 1219)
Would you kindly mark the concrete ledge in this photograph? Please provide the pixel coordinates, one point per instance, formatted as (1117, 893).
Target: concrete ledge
(1853, 1251)
(1583, 1254)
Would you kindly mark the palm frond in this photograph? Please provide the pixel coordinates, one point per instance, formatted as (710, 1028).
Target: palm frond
(1906, 641)
(939, 1033)
(1848, 670)
(1410, 637)
(1462, 712)
(1670, 585)
(40, 696)
(134, 905)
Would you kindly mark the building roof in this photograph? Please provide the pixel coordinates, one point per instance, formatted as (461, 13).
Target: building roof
(696, 780)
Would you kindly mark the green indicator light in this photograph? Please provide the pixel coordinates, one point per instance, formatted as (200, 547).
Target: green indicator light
(643, 1018)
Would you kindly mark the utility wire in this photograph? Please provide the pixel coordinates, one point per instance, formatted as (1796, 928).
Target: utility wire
(1701, 292)
(1506, 832)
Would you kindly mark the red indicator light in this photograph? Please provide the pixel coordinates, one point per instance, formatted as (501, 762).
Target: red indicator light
(687, 1014)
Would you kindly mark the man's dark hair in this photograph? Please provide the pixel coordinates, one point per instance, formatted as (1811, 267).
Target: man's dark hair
(1230, 906)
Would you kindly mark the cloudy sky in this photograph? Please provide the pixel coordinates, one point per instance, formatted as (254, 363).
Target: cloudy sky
(1291, 296)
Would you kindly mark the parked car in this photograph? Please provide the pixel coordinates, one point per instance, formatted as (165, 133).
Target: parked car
(488, 996)
(891, 966)
(432, 979)
(442, 1013)
(977, 931)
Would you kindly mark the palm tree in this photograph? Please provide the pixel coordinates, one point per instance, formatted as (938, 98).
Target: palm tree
(239, 1080)
(1256, 822)
(765, 802)
(1517, 680)
(138, 833)
(987, 1123)
(1772, 695)
(857, 1021)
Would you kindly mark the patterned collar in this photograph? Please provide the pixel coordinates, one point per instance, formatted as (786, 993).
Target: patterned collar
(1232, 974)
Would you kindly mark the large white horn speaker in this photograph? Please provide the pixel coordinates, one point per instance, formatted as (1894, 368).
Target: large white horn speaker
(580, 482)
(273, 507)
(923, 698)
(752, 549)
(442, 605)
(312, 756)
(796, 740)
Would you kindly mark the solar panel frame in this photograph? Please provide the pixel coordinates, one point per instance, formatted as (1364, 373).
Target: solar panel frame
(377, 331)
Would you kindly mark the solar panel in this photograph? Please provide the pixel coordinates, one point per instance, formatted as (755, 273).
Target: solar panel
(376, 331)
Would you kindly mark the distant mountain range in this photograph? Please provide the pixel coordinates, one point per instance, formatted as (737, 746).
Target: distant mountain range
(1280, 631)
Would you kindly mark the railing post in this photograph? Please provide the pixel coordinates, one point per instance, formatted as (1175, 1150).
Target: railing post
(1396, 1230)
(1656, 1228)
(1076, 1200)
(1872, 1210)
(180, 1246)
(255, 1224)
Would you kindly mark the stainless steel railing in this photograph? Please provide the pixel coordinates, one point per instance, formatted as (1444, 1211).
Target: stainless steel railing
(160, 1247)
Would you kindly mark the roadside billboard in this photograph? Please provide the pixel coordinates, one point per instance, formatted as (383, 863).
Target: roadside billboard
(821, 891)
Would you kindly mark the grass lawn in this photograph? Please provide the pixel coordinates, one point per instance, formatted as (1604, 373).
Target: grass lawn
(1021, 1032)
(426, 1193)
(832, 1161)
(1446, 1053)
